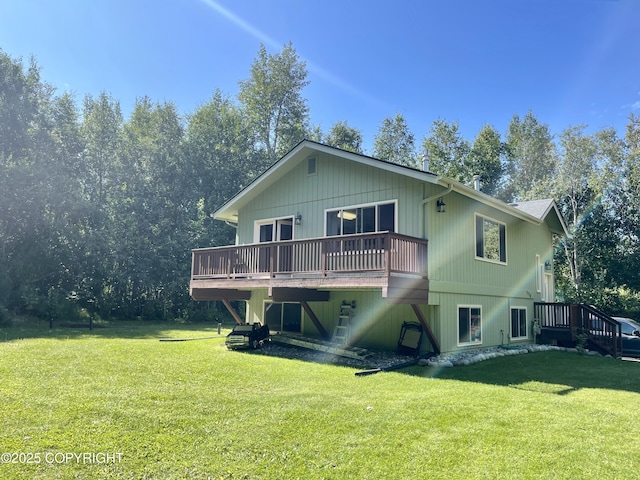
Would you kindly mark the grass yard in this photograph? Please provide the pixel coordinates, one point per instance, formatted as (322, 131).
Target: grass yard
(193, 410)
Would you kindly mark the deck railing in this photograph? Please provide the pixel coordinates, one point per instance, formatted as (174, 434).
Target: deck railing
(383, 253)
(601, 330)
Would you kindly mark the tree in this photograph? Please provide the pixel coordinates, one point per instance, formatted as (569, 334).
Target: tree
(574, 189)
(102, 124)
(448, 152)
(221, 160)
(345, 137)
(486, 159)
(394, 142)
(628, 206)
(40, 205)
(276, 112)
(530, 159)
(147, 221)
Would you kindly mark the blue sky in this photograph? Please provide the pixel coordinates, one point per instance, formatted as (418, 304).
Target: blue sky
(472, 61)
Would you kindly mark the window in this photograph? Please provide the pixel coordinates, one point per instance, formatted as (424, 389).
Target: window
(518, 322)
(469, 325)
(491, 240)
(283, 317)
(311, 166)
(363, 219)
(274, 230)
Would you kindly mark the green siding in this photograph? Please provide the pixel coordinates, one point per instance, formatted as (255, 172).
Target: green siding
(337, 183)
(377, 323)
(456, 276)
(453, 265)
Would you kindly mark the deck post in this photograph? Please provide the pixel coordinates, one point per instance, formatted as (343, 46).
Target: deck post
(575, 320)
(427, 328)
(232, 311)
(315, 320)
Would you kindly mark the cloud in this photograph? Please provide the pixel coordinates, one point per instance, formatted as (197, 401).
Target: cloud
(635, 105)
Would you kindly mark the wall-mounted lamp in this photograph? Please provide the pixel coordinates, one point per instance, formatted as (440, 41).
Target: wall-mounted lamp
(547, 265)
(440, 205)
(298, 219)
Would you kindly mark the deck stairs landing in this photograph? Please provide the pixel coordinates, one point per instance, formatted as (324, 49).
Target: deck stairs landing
(565, 323)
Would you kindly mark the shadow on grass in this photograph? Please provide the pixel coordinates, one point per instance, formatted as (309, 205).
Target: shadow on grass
(557, 373)
(134, 329)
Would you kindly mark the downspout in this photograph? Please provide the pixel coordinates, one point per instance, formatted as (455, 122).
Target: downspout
(427, 200)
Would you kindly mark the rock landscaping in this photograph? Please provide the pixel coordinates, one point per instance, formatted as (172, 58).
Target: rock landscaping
(470, 357)
(382, 359)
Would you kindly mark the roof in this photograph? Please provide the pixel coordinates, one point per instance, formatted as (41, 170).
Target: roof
(534, 212)
(544, 210)
(229, 211)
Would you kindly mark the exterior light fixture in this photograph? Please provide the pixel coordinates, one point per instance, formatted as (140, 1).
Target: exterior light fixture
(440, 205)
(298, 218)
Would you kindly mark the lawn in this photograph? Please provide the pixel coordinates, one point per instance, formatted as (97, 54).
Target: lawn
(116, 402)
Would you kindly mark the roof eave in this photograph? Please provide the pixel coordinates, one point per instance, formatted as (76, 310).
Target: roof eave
(229, 211)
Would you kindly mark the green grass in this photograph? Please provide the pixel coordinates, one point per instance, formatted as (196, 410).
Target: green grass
(194, 410)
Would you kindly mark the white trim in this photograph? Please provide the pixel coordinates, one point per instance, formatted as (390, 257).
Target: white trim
(465, 344)
(229, 210)
(273, 221)
(548, 288)
(526, 325)
(307, 148)
(313, 158)
(475, 240)
(364, 205)
(539, 272)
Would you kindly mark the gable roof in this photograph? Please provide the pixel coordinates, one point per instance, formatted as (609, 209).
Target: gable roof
(545, 210)
(229, 211)
(536, 214)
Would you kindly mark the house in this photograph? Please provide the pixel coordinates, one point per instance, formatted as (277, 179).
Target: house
(324, 229)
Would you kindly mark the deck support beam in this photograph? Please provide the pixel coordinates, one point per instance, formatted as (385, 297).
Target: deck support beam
(315, 320)
(213, 294)
(427, 328)
(232, 311)
(287, 294)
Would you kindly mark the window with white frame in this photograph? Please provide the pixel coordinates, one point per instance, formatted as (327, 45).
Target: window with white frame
(380, 217)
(469, 324)
(518, 322)
(491, 240)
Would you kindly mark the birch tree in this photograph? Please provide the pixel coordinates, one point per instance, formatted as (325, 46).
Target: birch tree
(275, 109)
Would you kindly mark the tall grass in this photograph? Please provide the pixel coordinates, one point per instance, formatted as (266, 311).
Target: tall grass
(194, 410)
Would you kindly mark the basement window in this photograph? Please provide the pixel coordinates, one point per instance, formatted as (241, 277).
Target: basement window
(518, 322)
(469, 324)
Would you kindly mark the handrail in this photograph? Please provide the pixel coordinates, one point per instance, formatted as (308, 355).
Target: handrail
(602, 331)
(382, 252)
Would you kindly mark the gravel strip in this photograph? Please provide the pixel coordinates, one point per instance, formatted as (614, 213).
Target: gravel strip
(385, 359)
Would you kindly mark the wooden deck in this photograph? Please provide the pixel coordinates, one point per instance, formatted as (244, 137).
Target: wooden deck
(564, 323)
(395, 263)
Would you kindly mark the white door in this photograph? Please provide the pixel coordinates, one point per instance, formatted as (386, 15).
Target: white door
(275, 230)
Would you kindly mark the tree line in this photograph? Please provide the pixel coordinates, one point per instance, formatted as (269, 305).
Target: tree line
(98, 213)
